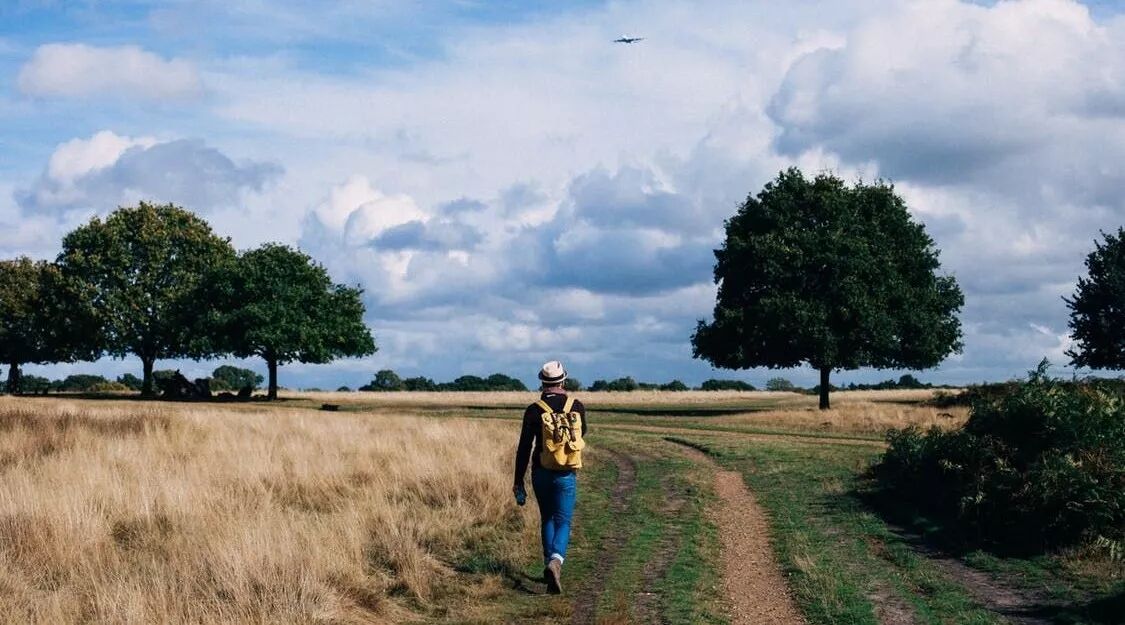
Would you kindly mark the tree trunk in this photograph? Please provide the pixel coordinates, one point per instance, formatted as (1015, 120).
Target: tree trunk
(146, 388)
(824, 386)
(14, 378)
(272, 363)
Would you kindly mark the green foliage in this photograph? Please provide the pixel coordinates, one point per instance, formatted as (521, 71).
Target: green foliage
(41, 315)
(1097, 310)
(388, 380)
(620, 384)
(344, 389)
(725, 385)
(572, 384)
(779, 384)
(674, 385)
(130, 381)
(501, 382)
(904, 382)
(141, 268)
(80, 382)
(385, 380)
(418, 384)
(227, 378)
(1038, 467)
(465, 383)
(838, 277)
(108, 387)
(37, 384)
(494, 382)
(279, 304)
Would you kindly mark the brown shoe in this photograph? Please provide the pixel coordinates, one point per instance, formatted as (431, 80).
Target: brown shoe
(553, 573)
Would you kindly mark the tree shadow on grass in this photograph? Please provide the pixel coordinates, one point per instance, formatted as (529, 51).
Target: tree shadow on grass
(946, 547)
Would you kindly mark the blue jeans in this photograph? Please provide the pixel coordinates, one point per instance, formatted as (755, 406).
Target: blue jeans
(556, 492)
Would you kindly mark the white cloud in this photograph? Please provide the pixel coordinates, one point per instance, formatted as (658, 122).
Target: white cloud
(359, 212)
(80, 157)
(71, 70)
(98, 174)
(532, 182)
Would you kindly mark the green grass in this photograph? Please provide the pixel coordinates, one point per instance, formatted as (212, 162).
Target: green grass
(841, 559)
(687, 592)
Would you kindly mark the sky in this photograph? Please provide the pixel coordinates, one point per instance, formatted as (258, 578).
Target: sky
(509, 186)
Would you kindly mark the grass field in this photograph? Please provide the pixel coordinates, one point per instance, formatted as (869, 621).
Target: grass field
(397, 509)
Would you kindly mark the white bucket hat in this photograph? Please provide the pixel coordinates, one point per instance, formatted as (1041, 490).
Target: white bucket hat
(552, 373)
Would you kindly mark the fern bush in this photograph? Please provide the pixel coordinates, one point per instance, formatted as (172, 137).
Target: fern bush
(1038, 467)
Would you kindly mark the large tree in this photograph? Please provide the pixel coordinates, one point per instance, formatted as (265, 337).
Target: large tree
(143, 265)
(42, 317)
(836, 277)
(276, 303)
(1097, 310)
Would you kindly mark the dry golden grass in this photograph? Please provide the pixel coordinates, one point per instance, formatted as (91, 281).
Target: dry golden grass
(522, 398)
(855, 416)
(607, 398)
(855, 412)
(121, 512)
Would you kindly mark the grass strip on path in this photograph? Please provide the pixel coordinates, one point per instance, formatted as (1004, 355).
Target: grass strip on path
(845, 566)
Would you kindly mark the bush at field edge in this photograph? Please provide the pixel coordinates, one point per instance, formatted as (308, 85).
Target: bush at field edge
(1039, 466)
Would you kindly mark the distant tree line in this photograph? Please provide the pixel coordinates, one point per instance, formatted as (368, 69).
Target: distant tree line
(223, 378)
(387, 380)
(155, 282)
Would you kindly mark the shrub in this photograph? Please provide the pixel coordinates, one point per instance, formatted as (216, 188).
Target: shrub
(132, 382)
(228, 378)
(674, 385)
(620, 384)
(419, 384)
(385, 380)
(779, 384)
(1037, 467)
(725, 385)
(81, 382)
(108, 387)
(571, 384)
(36, 384)
(501, 382)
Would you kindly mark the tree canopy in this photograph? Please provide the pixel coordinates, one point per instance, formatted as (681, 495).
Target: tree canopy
(41, 317)
(1097, 309)
(227, 378)
(142, 266)
(277, 303)
(836, 277)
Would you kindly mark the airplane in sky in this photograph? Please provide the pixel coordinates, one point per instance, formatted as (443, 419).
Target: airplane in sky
(628, 40)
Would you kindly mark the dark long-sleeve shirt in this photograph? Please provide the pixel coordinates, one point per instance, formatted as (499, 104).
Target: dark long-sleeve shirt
(530, 445)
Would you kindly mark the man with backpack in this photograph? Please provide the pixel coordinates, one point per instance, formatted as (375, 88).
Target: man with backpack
(555, 426)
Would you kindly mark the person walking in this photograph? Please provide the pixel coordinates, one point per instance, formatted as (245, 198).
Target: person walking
(552, 438)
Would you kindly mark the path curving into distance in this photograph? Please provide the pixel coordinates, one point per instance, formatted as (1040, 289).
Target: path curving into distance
(752, 581)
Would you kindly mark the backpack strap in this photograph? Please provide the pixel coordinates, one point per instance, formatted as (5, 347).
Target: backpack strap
(546, 408)
(569, 404)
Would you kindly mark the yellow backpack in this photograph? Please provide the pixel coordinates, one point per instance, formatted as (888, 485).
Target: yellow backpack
(562, 437)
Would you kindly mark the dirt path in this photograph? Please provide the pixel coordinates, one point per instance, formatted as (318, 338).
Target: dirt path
(1019, 606)
(754, 585)
(586, 606)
